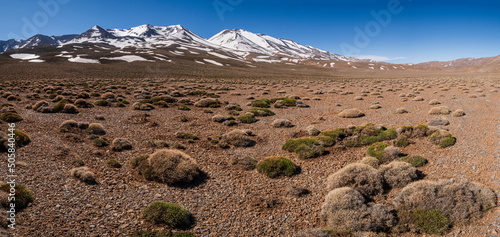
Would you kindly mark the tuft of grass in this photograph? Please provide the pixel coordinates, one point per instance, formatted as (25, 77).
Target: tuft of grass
(247, 118)
(337, 134)
(261, 112)
(402, 142)
(23, 195)
(171, 214)
(160, 233)
(11, 117)
(415, 161)
(114, 163)
(262, 103)
(101, 103)
(185, 135)
(22, 138)
(100, 142)
(276, 166)
(183, 107)
(292, 144)
(377, 149)
(304, 151)
(430, 221)
(289, 102)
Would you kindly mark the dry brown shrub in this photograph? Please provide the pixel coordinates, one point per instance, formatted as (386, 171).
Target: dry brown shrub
(173, 167)
(238, 138)
(83, 174)
(371, 161)
(364, 178)
(459, 200)
(398, 174)
(351, 113)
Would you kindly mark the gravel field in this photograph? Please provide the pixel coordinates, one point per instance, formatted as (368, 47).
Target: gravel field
(233, 202)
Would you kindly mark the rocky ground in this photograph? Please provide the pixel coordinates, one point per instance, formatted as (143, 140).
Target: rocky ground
(231, 201)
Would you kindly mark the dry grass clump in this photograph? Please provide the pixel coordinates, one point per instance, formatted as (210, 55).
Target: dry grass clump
(11, 117)
(371, 161)
(69, 109)
(81, 103)
(142, 106)
(434, 102)
(459, 201)
(96, 129)
(442, 110)
(221, 118)
(84, 174)
(351, 113)
(120, 144)
(401, 111)
(345, 208)
(390, 153)
(22, 196)
(172, 167)
(208, 102)
(377, 150)
(458, 113)
(281, 123)
(398, 174)
(245, 163)
(363, 178)
(238, 138)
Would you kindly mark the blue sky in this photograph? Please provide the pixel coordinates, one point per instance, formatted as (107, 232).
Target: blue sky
(418, 31)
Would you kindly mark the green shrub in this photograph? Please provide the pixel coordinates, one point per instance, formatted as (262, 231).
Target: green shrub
(160, 233)
(183, 107)
(22, 138)
(402, 141)
(101, 103)
(377, 149)
(337, 134)
(309, 151)
(247, 118)
(388, 134)
(234, 113)
(262, 103)
(100, 142)
(289, 102)
(246, 163)
(23, 195)
(185, 135)
(326, 141)
(276, 166)
(171, 214)
(95, 94)
(114, 163)
(293, 144)
(261, 112)
(11, 117)
(416, 161)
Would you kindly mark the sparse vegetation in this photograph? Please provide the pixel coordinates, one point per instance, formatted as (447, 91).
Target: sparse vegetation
(276, 166)
(171, 214)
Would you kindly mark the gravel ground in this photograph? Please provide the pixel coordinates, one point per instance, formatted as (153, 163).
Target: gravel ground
(232, 202)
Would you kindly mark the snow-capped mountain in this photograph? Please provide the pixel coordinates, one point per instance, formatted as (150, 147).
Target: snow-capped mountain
(242, 40)
(239, 43)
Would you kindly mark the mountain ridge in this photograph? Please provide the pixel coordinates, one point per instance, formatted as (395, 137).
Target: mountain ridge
(149, 36)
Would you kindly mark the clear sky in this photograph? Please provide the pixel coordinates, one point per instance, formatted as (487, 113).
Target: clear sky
(417, 31)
